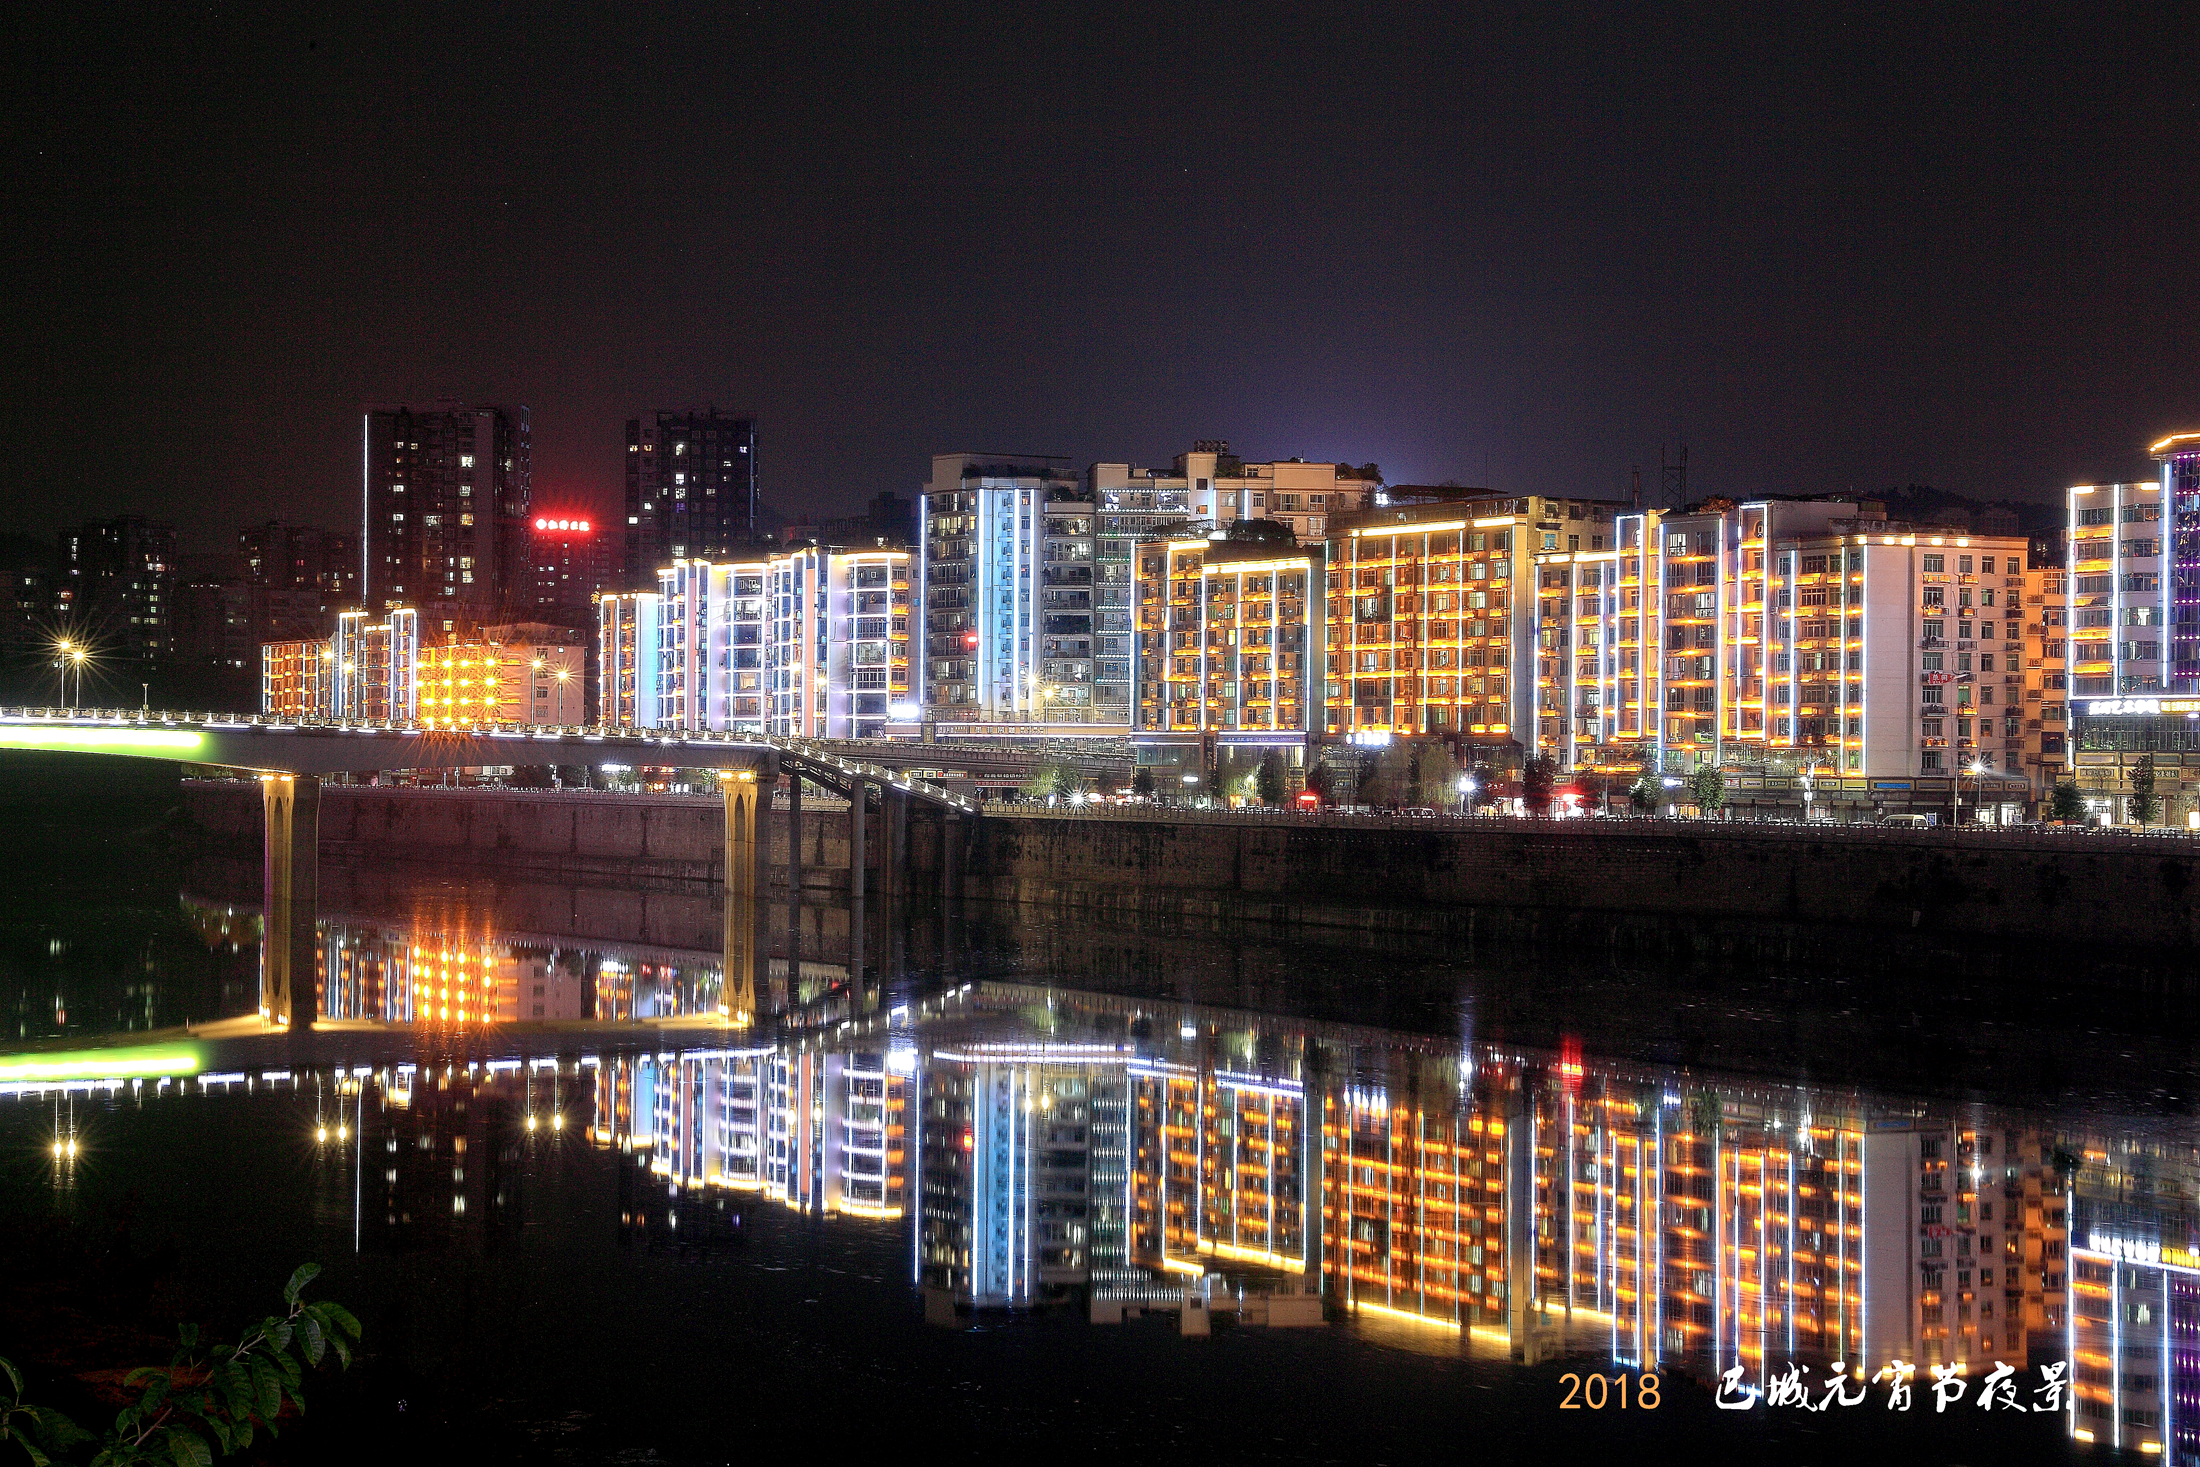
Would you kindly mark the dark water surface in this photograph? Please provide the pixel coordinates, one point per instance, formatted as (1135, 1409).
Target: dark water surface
(887, 1224)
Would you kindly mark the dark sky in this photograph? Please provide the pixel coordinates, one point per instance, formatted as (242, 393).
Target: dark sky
(1520, 248)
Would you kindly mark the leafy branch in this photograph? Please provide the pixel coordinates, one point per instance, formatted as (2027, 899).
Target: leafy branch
(206, 1402)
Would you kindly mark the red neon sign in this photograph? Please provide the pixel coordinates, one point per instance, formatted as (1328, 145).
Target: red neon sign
(562, 525)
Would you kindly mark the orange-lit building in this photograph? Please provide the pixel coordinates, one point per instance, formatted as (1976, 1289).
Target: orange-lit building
(1229, 652)
(1431, 616)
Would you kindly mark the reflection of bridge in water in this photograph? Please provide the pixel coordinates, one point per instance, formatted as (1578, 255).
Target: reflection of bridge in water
(291, 758)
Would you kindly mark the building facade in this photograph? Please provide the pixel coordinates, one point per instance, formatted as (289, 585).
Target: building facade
(569, 555)
(1431, 617)
(383, 669)
(445, 498)
(117, 587)
(812, 642)
(1228, 652)
(690, 490)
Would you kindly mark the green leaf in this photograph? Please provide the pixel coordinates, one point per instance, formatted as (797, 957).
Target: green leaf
(343, 1351)
(143, 1374)
(306, 1274)
(30, 1448)
(187, 1449)
(15, 1377)
(189, 1335)
(340, 1317)
(291, 1375)
(278, 1334)
(59, 1433)
(267, 1401)
(310, 1327)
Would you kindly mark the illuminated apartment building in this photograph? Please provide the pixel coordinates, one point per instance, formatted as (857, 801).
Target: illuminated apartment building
(295, 679)
(478, 682)
(630, 680)
(1021, 1180)
(712, 644)
(381, 670)
(1029, 578)
(2134, 663)
(1431, 616)
(2046, 675)
(1009, 551)
(1808, 632)
(1228, 651)
(837, 643)
(812, 642)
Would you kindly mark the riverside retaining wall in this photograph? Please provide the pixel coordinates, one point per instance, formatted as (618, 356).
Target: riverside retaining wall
(2066, 894)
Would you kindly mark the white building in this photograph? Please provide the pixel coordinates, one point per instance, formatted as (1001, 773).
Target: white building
(813, 642)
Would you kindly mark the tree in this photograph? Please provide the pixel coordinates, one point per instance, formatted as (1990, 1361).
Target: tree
(1142, 783)
(1049, 777)
(2146, 806)
(1537, 781)
(206, 1402)
(1268, 780)
(1436, 775)
(2066, 804)
(1708, 785)
(1643, 793)
(1371, 471)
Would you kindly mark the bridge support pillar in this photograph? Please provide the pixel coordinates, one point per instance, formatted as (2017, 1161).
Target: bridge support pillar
(951, 855)
(745, 909)
(291, 889)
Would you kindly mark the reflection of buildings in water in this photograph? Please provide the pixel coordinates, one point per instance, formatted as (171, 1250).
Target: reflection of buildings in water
(1023, 1172)
(2134, 1334)
(821, 1130)
(432, 973)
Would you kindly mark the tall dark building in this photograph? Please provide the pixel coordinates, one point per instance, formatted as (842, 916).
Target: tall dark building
(118, 580)
(303, 558)
(690, 490)
(445, 513)
(571, 555)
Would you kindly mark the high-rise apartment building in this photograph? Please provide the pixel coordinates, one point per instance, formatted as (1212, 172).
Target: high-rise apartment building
(812, 642)
(1008, 567)
(1028, 573)
(690, 490)
(117, 587)
(445, 496)
(1431, 616)
(1813, 636)
(570, 557)
(1229, 650)
(303, 558)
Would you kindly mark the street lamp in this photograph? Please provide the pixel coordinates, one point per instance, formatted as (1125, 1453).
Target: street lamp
(565, 675)
(77, 657)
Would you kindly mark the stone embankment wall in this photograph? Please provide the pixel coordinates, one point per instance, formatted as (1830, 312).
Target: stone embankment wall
(2068, 890)
(2067, 894)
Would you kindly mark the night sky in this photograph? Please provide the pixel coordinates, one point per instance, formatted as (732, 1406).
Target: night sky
(1511, 248)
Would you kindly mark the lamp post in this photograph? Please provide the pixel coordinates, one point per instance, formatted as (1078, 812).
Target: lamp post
(77, 658)
(534, 688)
(565, 676)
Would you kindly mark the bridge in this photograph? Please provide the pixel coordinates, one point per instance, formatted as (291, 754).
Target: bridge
(292, 757)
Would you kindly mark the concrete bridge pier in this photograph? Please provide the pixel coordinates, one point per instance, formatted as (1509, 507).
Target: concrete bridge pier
(747, 980)
(291, 892)
(893, 860)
